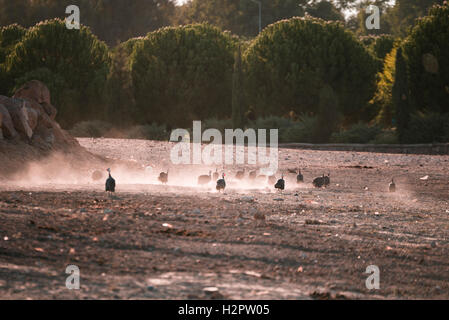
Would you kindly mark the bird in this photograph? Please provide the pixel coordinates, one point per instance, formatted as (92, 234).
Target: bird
(272, 179)
(216, 175)
(253, 174)
(110, 183)
(392, 186)
(280, 185)
(240, 174)
(299, 177)
(205, 179)
(163, 177)
(327, 180)
(318, 182)
(221, 184)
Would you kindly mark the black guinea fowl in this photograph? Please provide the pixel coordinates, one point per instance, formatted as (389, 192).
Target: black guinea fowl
(299, 177)
(110, 183)
(221, 184)
(319, 182)
(163, 177)
(280, 185)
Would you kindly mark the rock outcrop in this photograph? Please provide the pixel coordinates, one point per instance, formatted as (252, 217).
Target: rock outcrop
(7, 125)
(30, 115)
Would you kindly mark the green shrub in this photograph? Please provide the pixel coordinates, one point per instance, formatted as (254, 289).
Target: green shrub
(426, 52)
(303, 131)
(386, 137)
(220, 124)
(148, 132)
(9, 37)
(291, 61)
(358, 133)
(427, 128)
(91, 129)
(182, 74)
(382, 103)
(76, 58)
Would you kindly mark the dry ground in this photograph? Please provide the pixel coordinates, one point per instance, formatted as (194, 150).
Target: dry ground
(170, 242)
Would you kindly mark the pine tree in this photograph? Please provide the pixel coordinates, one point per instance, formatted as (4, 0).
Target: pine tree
(237, 95)
(401, 98)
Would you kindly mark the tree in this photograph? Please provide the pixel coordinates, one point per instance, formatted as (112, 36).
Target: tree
(120, 103)
(182, 74)
(237, 94)
(73, 63)
(239, 16)
(401, 97)
(291, 61)
(427, 51)
(405, 12)
(325, 10)
(112, 21)
(9, 37)
(382, 103)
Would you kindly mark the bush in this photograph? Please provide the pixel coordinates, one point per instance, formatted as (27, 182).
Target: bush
(91, 129)
(220, 125)
(76, 58)
(379, 45)
(426, 52)
(427, 128)
(291, 61)
(181, 74)
(386, 137)
(148, 132)
(9, 37)
(382, 103)
(358, 133)
(303, 131)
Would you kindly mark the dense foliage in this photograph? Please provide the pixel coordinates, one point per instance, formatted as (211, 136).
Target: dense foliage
(181, 74)
(427, 54)
(313, 75)
(291, 62)
(73, 63)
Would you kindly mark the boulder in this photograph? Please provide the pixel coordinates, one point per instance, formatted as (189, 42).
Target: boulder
(19, 114)
(1, 121)
(43, 118)
(38, 92)
(7, 125)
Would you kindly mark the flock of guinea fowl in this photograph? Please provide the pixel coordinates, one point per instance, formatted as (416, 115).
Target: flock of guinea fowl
(279, 184)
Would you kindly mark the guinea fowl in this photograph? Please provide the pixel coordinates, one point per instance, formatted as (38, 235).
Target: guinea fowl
(299, 177)
(221, 184)
(216, 174)
(319, 182)
(327, 180)
(163, 177)
(392, 186)
(280, 185)
(240, 174)
(205, 179)
(110, 183)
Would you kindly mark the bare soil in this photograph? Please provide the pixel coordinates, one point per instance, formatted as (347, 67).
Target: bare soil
(151, 241)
